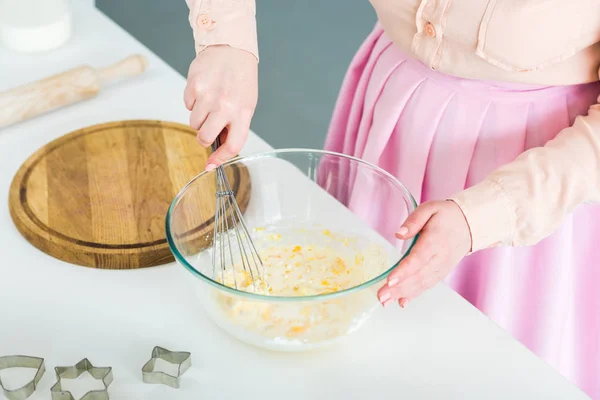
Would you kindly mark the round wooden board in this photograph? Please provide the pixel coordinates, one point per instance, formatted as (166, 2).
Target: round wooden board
(98, 196)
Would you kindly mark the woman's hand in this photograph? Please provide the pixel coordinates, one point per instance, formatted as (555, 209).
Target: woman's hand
(221, 93)
(443, 241)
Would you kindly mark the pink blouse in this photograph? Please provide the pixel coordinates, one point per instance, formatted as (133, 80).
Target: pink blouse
(503, 40)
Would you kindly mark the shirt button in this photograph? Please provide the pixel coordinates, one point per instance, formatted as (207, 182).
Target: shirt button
(205, 22)
(430, 30)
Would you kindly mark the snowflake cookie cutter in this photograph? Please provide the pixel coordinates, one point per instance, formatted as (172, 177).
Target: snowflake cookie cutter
(102, 373)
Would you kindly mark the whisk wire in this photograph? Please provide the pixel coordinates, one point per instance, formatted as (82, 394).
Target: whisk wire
(220, 232)
(245, 234)
(226, 233)
(215, 232)
(226, 209)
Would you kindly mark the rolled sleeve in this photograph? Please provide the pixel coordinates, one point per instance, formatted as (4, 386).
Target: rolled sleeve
(489, 213)
(224, 22)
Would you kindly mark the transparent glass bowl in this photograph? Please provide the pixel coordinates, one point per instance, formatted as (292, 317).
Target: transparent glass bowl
(305, 198)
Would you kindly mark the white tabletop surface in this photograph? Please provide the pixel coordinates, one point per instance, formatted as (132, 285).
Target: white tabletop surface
(440, 347)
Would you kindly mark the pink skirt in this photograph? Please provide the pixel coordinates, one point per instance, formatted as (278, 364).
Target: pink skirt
(440, 134)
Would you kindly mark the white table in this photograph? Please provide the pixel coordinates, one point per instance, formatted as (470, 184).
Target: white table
(438, 348)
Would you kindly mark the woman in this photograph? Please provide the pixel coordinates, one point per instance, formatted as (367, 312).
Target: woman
(487, 111)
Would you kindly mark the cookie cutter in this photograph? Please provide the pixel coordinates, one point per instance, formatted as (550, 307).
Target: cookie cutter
(22, 362)
(72, 372)
(182, 359)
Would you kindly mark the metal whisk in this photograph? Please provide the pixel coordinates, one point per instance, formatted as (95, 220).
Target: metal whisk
(231, 236)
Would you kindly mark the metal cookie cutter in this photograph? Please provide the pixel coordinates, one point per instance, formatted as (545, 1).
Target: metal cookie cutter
(22, 362)
(182, 359)
(102, 373)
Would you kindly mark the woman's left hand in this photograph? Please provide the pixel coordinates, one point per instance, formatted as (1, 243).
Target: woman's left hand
(444, 240)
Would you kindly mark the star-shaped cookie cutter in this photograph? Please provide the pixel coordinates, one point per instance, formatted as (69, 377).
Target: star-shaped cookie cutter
(102, 373)
(22, 362)
(182, 359)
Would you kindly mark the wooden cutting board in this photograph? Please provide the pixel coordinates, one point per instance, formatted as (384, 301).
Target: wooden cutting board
(98, 197)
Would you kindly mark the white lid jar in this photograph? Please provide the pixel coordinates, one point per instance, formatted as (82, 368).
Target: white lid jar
(34, 25)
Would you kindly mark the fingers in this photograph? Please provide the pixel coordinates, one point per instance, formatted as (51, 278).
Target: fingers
(410, 277)
(419, 256)
(412, 286)
(189, 97)
(232, 128)
(416, 221)
(231, 145)
(211, 128)
(417, 283)
(406, 278)
(198, 116)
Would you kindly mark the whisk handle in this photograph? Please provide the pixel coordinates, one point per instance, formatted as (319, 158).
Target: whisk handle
(216, 144)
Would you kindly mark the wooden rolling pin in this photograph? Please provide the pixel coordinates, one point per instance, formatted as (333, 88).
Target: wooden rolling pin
(75, 85)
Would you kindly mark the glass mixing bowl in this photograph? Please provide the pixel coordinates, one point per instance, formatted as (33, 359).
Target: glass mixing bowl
(316, 203)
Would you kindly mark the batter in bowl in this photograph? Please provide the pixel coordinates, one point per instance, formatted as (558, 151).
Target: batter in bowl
(296, 266)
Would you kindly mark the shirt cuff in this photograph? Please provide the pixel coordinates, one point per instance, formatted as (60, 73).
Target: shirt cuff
(489, 214)
(234, 26)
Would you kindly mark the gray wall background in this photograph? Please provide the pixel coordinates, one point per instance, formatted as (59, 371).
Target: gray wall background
(305, 47)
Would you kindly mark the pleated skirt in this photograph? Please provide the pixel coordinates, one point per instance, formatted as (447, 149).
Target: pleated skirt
(440, 134)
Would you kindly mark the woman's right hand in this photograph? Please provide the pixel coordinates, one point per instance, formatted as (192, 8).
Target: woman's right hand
(221, 93)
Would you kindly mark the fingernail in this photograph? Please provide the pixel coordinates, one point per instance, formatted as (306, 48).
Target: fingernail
(402, 231)
(402, 302)
(385, 297)
(393, 282)
(387, 303)
(210, 167)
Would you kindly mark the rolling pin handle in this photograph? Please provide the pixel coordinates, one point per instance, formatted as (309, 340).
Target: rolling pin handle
(128, 67)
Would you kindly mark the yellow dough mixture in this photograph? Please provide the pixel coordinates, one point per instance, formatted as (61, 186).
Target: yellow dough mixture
(294, 265)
